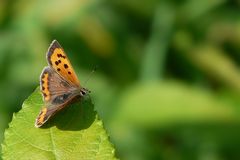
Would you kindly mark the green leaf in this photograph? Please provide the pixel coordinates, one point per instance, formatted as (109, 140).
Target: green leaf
(168, 103)
(149, 112)
(74, 133)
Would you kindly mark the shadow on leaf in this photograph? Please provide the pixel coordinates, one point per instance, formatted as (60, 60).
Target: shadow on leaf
(77, 116)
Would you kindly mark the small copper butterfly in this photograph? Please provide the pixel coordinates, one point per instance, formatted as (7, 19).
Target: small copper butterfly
(58, 83)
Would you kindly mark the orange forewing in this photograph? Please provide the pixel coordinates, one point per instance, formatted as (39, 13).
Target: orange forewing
(59, 61)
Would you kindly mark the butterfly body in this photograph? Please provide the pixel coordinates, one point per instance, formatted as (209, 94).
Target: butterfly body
(58, 83)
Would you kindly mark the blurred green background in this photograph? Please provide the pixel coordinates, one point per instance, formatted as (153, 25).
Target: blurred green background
(168, 82)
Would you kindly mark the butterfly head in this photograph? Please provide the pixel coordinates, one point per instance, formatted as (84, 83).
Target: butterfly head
(84, 91)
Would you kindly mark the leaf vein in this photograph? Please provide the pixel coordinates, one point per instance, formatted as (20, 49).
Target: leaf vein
(53, 144)
(26, 141)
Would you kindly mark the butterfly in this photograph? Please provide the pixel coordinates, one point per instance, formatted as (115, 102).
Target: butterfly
(58, 83)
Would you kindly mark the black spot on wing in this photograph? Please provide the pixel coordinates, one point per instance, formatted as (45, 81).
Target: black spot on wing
(64, 84)
(61, 99)
(65, 66)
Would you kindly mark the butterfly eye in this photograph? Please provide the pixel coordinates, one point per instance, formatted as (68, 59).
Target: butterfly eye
(84, 91)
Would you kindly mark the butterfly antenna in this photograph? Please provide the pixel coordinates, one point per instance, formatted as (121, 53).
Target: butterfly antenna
(90, 75)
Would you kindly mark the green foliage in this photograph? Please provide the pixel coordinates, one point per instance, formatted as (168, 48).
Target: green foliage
(172, 114)
(186, 105)
(75, 133)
